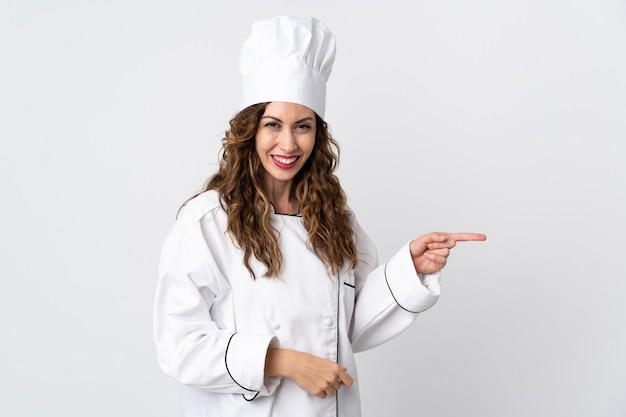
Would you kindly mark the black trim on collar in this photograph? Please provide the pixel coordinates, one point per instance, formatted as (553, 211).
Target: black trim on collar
(284, 214)
(349, 285)
(290, 215)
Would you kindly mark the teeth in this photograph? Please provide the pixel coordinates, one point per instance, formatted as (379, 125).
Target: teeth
(286, 161)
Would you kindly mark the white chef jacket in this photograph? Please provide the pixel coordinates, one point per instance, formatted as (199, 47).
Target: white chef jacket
(213, 323)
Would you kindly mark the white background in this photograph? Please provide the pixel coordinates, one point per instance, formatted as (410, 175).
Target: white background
(506, 118)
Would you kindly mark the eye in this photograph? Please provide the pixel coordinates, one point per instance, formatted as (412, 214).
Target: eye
(271, 124)
(303, 126)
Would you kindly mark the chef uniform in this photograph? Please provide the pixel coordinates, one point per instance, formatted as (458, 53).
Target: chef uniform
(213, 322)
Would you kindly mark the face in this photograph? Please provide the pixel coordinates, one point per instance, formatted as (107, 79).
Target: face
(285, 140)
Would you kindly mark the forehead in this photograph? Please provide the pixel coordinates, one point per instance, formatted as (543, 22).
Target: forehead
(285, 110)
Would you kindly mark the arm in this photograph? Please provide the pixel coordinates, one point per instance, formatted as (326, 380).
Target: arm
(389, 297)
(317, 376)
(191, 346)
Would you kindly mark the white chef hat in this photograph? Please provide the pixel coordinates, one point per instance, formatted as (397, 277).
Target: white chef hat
(287, 59)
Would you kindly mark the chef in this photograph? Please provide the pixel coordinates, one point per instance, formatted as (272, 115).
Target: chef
(267, 284)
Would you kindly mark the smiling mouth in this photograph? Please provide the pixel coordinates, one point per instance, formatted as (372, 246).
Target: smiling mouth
(285, 162)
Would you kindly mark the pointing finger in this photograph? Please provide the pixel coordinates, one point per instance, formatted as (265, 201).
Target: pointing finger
(466, 237)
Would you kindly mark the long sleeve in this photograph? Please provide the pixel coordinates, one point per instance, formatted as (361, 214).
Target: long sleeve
(388, 297)
(194, 347)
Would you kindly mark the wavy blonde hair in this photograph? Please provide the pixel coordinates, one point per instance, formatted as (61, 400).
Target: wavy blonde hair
(316, 188)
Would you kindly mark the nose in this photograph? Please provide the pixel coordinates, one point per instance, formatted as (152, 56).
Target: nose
(288, 141)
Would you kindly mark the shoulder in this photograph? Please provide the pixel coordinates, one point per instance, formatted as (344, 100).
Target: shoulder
(200, 206)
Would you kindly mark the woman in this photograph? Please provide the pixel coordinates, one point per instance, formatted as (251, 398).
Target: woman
(267, 284)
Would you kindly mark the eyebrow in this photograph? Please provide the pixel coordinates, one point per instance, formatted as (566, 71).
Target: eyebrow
(306, 119)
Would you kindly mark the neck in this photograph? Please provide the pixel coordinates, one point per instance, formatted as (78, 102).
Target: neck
(279, 193)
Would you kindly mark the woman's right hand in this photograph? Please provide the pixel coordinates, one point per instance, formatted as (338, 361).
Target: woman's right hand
(315, 375)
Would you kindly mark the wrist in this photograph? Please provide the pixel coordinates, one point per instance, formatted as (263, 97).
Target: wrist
(278, 362)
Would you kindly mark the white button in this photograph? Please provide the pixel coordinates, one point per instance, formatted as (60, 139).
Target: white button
(275, 326)
(328, 322)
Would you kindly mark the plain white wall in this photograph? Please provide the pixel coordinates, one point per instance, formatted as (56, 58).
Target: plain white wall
(507, 118)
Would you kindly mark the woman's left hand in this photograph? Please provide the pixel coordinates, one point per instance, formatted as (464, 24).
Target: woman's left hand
(430, 252)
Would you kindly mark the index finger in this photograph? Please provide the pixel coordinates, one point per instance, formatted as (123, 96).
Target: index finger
(466, 237)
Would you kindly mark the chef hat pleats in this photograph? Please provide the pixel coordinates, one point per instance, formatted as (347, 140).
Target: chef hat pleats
(287, 59)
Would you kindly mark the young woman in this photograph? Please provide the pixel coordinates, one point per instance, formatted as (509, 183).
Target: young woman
(267, 284)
